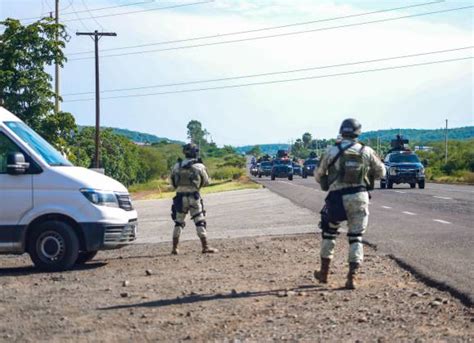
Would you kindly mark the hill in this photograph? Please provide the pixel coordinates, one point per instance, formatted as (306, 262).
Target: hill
(420, 135)
(140, 137)
(270, 149)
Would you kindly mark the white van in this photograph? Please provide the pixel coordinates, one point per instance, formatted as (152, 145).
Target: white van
(58, 213)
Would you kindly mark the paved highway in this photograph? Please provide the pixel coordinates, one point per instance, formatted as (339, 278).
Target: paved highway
(430, 230)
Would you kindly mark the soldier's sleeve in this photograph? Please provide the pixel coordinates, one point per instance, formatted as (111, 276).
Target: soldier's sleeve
(172, 177)
(323, 166)
(377, 168)
(204, 176)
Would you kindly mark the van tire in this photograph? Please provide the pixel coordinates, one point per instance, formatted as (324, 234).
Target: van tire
(272, 177)
(421, 184)
(290, 177)
(57, 239)
(85, 256)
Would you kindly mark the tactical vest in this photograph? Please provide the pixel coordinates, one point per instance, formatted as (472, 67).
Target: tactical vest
(187, 176)
(352, 169)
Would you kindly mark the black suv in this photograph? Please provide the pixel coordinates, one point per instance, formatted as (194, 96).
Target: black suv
(309, 166)
(403, 167)
(265, 169)
(282, 168)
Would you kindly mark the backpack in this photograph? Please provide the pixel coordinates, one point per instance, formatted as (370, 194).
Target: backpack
(187, 176)
(352, 169)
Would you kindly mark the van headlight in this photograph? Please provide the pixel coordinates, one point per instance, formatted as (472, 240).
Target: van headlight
(393, 171)
(100, 198)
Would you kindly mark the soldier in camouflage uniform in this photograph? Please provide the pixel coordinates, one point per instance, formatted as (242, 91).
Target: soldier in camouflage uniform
(346, 170)
(187, 177)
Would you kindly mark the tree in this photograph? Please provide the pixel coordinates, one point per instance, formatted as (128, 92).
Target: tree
(196, 133)
(25, 86)
(255, 151)
(307, 139)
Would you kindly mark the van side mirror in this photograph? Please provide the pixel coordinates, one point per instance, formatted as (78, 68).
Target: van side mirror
(16, 164)
(424, 163)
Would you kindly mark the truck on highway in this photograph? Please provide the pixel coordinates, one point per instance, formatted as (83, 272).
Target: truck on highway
(265, 169)
(309, 167)
(61, 215)
(282, 168)
(403, 167)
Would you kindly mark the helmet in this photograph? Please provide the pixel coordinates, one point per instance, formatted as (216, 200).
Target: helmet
(190, 150)
(350, 128)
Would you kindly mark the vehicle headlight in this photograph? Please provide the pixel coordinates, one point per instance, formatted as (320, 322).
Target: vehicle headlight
(421, 171)
(393, 171)
(100, 198)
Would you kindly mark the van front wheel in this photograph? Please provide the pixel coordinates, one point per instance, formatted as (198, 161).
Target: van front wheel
(53, 246)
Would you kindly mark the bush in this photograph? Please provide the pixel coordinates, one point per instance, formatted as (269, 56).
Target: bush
(226, 173)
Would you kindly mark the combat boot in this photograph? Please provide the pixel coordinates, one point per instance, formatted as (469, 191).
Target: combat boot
(175, 250)
(205, 247)
(322, 274)
(352, 278)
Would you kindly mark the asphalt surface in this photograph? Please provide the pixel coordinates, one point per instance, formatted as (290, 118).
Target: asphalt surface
(430, 231)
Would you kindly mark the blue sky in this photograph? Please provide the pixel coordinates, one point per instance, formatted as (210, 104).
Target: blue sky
(418, 97)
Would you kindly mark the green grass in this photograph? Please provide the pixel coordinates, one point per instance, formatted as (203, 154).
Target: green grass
(160, 189)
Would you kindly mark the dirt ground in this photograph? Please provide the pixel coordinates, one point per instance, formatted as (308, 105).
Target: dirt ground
(256, 289)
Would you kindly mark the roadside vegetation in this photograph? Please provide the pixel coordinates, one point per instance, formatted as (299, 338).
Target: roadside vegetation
(26, 90)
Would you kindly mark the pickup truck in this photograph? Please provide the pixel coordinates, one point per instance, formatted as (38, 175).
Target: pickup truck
(282, 168)
(403, 167)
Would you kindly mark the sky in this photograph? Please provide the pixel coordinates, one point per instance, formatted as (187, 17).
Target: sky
(409, 97)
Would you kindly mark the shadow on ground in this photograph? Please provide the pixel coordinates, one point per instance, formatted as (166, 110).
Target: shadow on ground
(195, 298)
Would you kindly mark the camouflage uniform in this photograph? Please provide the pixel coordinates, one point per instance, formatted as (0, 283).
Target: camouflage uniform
(355, 200)
(187, 178)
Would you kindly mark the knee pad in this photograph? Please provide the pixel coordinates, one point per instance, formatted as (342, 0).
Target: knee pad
(201, 223)
(331, 231)
(354, 238)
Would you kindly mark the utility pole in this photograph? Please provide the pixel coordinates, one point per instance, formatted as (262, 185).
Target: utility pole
(96, 36)
(56, 65)
(446, 143)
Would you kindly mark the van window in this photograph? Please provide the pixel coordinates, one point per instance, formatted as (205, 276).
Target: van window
(6, 147)
(38, 144)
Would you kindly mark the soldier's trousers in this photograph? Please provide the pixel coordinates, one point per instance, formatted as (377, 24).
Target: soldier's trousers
(184, 203)
(356, 208)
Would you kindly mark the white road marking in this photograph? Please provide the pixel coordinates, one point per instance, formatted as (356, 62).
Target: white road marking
(387, 207)
(441, 221)
(400, 192)
(444, 198)
(409, 213)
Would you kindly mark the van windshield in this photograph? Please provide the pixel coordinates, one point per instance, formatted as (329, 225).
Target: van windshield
(404, 158)
(38, 144)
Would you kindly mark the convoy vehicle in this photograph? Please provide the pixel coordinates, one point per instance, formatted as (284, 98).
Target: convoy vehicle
(282, 168)
(59, 214)
(297, 169)
(309, 166)
(265, 169)
(254, 169)
(403, 166)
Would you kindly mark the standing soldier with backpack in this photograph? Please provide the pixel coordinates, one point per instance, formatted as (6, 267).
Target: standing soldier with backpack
(188, 177)
(347, 171)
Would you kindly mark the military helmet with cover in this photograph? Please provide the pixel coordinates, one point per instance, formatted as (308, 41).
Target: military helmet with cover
(190, 150)
(350, 128)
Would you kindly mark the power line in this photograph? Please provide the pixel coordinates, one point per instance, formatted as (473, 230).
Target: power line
(90, 15)
(92, 9)
(276, 81)
(275, 73)
(278, 35)
(145, 10)
(261, 29)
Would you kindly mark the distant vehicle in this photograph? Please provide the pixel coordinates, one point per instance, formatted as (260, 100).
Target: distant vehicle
(254, 169)
(309, 166)
(281, 154)
(282, 168)
(58, 213)
(297, 169)
(403, 166)
(265, 169)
